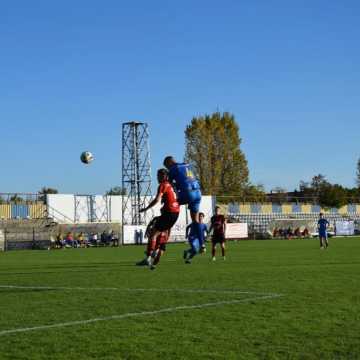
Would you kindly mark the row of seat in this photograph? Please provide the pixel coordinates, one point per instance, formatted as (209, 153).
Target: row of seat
(289, 208)
(260, 222)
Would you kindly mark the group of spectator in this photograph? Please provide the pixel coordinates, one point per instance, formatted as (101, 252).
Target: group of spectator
(289, 233)
(84, 240)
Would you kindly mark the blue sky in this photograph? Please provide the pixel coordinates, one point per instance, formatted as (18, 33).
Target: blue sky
(72, 71)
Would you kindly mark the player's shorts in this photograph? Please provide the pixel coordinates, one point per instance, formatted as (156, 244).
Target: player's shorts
(323, 234)
(166, 221)
(192, 199)
(195, 245)
(218, 238)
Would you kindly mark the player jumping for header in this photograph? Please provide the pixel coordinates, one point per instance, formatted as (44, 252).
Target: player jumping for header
(187, 188)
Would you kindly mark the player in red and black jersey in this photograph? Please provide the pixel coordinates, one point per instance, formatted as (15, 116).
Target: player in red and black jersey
(162, 224)
(218, 225)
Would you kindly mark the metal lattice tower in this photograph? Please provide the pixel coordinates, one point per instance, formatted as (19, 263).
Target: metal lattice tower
(136, 172)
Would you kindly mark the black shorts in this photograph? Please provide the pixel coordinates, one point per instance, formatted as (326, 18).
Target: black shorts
(218, 238)
(165, 221)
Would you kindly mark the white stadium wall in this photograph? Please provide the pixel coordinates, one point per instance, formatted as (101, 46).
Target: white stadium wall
(67, 209)
(61, 207)
(115, 206)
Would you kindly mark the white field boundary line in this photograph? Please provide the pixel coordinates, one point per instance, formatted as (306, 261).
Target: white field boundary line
(219, 291)
(137, 314)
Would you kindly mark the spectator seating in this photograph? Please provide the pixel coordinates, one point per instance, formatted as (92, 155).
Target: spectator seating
(259, 216)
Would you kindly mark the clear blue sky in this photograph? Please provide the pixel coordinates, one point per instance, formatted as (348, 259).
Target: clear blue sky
(72, 71)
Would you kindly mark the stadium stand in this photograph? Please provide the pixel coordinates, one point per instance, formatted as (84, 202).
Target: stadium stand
(258, 216)
(35, 210)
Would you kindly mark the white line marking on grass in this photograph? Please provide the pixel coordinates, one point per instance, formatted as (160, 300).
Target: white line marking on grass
(136, 314)
(219, 291)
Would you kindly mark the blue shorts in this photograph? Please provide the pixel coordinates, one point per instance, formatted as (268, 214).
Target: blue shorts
(323, 234)
(195, 245)
(192, 199)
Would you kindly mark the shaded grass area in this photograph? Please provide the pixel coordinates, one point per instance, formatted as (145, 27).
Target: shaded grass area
(317, 318)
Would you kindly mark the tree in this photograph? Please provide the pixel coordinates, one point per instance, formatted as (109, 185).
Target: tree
(116, 190)
(255, 193)
(333, 196)
(16, 199)
(46, 190)
(353, 195)
(326, 194)
(213, 148)
(311, 191)
(318, 182)
(358, 174)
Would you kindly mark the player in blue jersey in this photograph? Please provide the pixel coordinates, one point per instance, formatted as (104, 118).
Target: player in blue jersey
(322, 228)
(186, 185)
(187, 188)
(196, 244)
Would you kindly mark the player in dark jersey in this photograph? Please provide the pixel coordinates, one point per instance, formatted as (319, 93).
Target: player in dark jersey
(187, 188)
(322, 228)
(167, 219)
(218, 225)
(196, 245)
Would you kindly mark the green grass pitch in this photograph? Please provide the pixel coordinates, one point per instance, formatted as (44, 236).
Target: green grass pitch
(268, 300)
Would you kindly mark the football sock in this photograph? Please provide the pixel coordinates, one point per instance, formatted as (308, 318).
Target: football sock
(150, 247)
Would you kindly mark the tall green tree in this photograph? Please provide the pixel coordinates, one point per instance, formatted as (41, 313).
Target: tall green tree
(213, 148)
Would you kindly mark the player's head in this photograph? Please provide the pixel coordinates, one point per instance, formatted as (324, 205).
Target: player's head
(169, 161)
(201, 217)
(162, 175)
(217, 210)
(321, 215)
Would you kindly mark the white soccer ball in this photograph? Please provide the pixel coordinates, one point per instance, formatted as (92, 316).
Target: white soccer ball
(87, 157)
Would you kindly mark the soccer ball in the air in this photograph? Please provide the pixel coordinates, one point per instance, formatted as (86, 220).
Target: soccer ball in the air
(87, 157)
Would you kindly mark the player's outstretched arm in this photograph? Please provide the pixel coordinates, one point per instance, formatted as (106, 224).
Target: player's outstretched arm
(153, 202)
